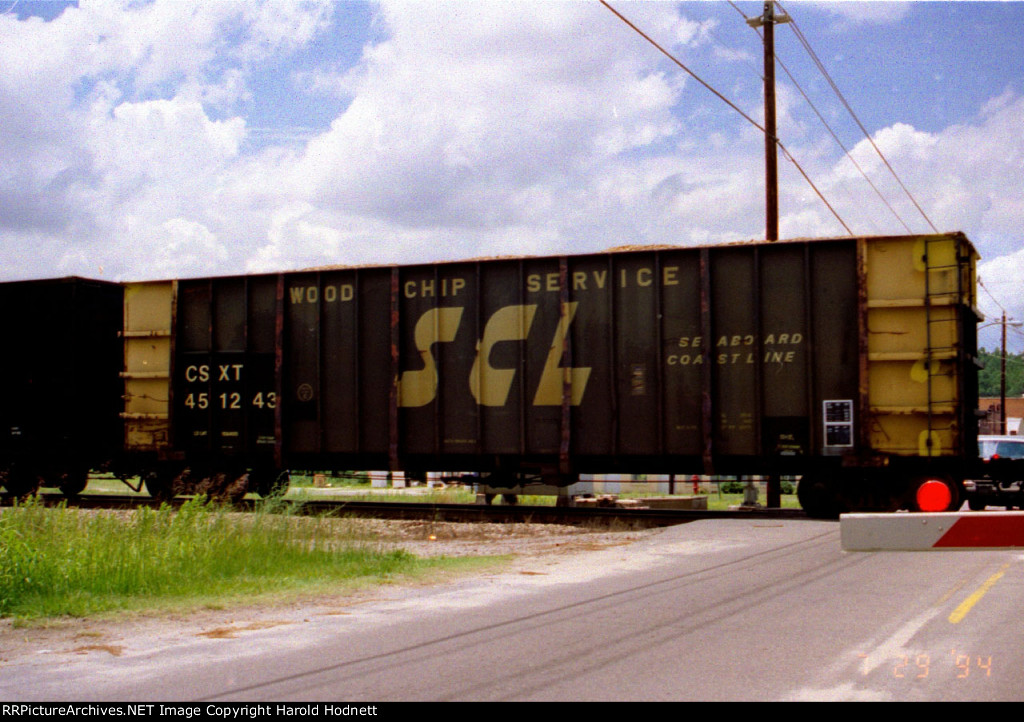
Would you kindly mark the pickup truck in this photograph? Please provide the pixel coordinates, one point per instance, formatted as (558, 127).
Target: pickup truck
(998, 487)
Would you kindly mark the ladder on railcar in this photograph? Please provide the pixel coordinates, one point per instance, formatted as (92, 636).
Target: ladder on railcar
(941, 296)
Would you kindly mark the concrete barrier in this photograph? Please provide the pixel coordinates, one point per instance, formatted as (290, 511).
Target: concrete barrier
(932, 532)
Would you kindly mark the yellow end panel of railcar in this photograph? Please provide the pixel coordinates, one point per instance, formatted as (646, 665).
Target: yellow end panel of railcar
(148, 313)
(918, 288)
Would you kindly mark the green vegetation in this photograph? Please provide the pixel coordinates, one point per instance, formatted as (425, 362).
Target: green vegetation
(351, 486)
(61, 561)
(725, 502)
(989, 376)
(730, 494)
(736, 487)
(452, 495)
(69, 562)
(340, 479)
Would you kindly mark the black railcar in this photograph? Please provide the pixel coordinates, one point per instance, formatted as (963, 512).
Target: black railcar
(59, 416)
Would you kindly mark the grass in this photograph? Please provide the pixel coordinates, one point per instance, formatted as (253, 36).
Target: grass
(723, 502)
(362, 491)
(66, 562)
(452, 495)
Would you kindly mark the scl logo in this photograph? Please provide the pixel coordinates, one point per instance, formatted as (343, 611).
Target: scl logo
(490, 386)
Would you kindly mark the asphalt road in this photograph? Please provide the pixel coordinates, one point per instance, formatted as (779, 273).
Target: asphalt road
(711, 610)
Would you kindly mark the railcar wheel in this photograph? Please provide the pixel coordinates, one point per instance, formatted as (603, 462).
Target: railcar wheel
(159, 485)
(224, 486)
(271, 483)
(72, 483)
(817, 497)
(235, 489)
(21, 481)
(976, 505)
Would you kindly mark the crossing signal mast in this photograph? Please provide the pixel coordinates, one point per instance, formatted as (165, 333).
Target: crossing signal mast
(771, 180)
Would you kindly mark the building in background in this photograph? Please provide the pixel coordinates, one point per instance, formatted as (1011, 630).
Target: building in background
(990, 421)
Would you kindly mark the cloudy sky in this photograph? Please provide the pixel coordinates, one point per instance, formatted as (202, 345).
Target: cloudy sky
(178, 138)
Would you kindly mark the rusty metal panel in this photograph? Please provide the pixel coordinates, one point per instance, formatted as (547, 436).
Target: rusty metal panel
(437, 312)
(193, 412)
(376, 374)
(457, 429)
(544, 357)
(195, 316)
(683, 358)
(783, 348)
(497, 378)
(637, 363)
(225, 391)
(261, 394)
(738, 358)
(335, 371)
(339, 360)
(594, 420)
(301, 372)
(147, 363)
(734, 352)
(836, 347)
(918, 297)
(229, 371)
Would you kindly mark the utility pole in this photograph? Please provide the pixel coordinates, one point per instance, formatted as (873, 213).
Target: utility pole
(1002, 382)
(1002, 374)
(771, 174)
(1002, 368)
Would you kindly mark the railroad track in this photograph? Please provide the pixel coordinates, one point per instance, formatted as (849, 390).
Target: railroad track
(644, 518)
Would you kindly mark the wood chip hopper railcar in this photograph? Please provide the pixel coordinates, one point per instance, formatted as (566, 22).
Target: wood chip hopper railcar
(846, 361)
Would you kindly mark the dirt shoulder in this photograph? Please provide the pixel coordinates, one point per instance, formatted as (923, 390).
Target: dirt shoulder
(524, 549)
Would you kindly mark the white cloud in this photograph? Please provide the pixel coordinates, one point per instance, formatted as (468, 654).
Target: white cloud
(109, 128)
(186, 248)
(856, 12)
(961, 177)
(281, 26)
(1002, 289)
(470, 130)
(536, 128)
(170, 139)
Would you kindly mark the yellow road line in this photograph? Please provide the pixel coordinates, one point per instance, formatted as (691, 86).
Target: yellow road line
(960, 612)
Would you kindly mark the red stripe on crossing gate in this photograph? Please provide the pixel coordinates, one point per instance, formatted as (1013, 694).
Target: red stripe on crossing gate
(984, 530)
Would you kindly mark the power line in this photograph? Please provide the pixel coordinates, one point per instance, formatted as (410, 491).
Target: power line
(829, 128)
(994, 299)
(821, 67)
(806, 44)
(675, 60)
(732, 105)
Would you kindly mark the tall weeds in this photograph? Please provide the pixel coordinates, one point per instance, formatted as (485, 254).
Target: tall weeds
(68, 562)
